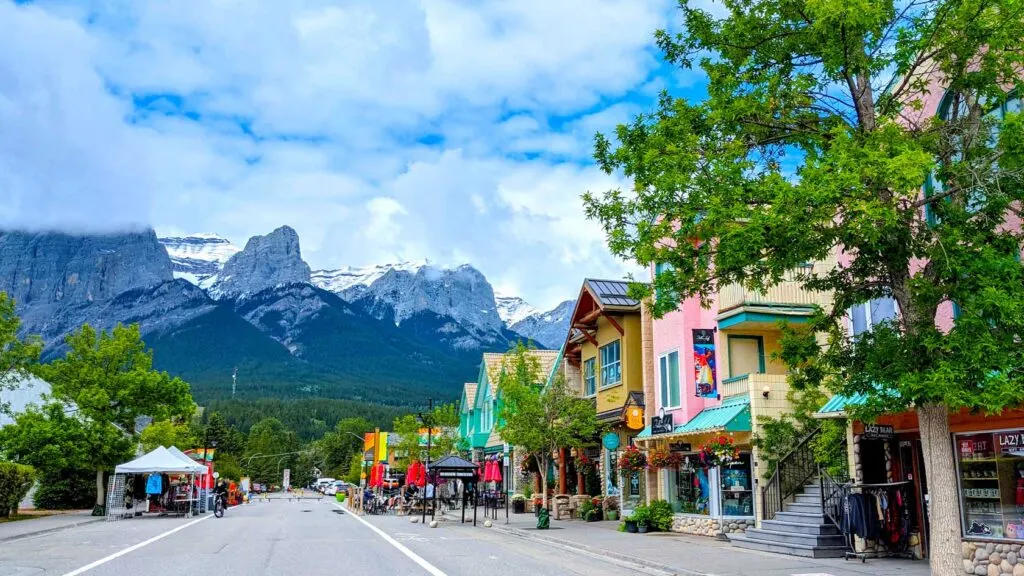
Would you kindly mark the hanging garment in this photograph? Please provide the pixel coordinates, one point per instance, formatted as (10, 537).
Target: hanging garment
(859, 517)
(154, 484)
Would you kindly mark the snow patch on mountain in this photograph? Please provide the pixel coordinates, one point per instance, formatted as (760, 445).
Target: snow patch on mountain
(342, 279)
(513, 309)
(197, 258)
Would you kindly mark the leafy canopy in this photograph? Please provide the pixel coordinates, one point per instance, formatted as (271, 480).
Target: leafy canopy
(109, 377)
(17, 355)
(538, 418)
(444, 440)
(812, 145)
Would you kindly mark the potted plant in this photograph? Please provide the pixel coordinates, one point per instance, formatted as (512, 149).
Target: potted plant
(642, 517)
(518, 504)
(631, 526)
(587, 511)
(611, 508)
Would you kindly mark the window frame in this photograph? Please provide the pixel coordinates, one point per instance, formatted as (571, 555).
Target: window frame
(665, 394)
(602, 384)
(589, 392)
(760, 353)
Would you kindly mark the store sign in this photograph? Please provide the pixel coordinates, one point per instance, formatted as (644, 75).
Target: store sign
(705, 367)
(610, 441)
(457, 473)
(635, 418)
(680, 447)
(661, 424)
(1012, 441)
(879, 432)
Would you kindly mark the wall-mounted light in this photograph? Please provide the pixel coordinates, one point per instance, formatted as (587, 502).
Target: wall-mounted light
(766, 390)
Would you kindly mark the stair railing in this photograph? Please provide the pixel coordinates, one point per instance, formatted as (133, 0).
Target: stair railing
(834, 491)
(792, 472)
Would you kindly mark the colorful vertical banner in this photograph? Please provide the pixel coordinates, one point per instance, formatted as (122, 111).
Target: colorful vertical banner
(705, 368)
(382, 449)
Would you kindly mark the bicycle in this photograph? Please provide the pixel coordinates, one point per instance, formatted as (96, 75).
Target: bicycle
(218, 507)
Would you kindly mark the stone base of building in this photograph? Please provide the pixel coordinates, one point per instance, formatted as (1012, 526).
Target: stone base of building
(707, 526)
(992, 559)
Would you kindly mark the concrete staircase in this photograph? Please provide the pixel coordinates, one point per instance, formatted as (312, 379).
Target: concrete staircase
(800, 529)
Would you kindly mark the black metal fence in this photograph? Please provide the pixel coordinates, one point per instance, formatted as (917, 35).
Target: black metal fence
(793, 471)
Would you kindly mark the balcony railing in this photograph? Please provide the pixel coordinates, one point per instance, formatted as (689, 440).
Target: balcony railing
(754, 384)
(789, 292)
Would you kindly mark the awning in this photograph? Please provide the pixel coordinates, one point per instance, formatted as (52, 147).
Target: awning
(160, 460)
(733, 415)
(645, 433)
(836, 406)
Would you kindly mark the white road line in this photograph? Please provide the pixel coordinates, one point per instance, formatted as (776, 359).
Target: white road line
(130, 549)
(430, 568)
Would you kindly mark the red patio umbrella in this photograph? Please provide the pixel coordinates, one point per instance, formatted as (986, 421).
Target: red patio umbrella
(496, 474)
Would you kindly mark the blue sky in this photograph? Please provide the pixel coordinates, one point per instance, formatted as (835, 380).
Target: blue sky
(452, 130)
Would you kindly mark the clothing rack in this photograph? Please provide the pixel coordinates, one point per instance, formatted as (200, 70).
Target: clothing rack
(879, 512)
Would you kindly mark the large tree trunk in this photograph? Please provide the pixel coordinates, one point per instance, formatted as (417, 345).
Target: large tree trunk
(940, 471)
(101, 489)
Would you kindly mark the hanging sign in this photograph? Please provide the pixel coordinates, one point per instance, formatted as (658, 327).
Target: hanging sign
(705, 370)
(635, 418)
(610, 441)
(661, 424)
(457, 473)
(680, 447)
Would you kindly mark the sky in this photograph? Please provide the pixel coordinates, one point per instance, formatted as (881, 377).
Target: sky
(458, 131)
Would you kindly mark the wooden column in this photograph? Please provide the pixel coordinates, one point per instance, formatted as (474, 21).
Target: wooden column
(562, 469)
(581, 482)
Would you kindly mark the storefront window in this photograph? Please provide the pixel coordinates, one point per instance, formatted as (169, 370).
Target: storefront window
(737, 489)
(991, 470)
(688, 489)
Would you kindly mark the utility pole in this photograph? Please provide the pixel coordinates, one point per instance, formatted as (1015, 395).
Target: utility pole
(234, 380)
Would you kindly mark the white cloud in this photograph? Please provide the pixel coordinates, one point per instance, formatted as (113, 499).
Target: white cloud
(455, 130)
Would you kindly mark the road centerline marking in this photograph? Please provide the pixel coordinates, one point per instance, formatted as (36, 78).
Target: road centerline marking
(132, 548)
(430, 568)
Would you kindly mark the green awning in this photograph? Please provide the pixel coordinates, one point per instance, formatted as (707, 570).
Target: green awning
(645, 433)
(733, 415)
(836, 405)
(480, 439)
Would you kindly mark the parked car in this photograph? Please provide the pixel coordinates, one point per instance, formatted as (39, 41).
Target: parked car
(323, 483)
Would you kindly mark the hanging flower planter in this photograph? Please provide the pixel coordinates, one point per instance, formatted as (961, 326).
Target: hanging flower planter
(719, 452)
(664, 459)
(585, 465)
(632, 460)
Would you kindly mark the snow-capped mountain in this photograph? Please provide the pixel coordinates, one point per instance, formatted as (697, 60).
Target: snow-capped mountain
(547, 329)
(198, 257)
(340, 280)
(513, 309)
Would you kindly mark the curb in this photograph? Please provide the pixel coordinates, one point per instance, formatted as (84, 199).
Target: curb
(24, 535)
(590, 550)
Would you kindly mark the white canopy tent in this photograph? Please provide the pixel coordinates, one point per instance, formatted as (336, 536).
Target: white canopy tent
(159, 461)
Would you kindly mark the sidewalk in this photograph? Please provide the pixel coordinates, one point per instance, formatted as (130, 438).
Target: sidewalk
(43, 524)
(692, 555)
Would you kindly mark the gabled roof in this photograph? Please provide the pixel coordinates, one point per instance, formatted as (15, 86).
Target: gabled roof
(469, 393)
(610, 292)
(452, 462)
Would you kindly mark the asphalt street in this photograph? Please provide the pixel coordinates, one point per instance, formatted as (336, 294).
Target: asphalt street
(279, 538)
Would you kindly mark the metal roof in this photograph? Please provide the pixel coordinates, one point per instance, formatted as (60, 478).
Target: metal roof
(611, 292)
(836, 405)
(733, 415)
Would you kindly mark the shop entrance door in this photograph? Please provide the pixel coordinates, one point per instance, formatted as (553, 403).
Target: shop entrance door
(911, 468)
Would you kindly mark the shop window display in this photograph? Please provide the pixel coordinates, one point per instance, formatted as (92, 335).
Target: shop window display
(737, 489)
(991, 470)
(688, 489)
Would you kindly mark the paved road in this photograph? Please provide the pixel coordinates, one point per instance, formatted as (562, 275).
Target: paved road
(281, 538)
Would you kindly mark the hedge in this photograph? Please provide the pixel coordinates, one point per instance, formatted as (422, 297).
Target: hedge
(15, 482)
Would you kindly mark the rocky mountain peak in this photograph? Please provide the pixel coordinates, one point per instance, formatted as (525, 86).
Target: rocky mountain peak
(198, 257)
(265, 262)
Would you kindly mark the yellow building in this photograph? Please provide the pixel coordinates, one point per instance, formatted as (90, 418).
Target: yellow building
(604, 347)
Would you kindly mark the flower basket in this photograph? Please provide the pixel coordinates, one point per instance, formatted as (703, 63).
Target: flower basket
(585, 465)
(664, 459)
(632, 460)
(719, 452)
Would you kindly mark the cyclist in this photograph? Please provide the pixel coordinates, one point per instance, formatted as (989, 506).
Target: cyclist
(220, 493)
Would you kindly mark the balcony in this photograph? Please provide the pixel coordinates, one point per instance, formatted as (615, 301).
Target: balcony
(754, 385)
(788, 300)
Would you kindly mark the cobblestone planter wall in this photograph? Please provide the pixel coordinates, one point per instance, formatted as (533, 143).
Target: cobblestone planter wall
(991, 559)
(708, 526)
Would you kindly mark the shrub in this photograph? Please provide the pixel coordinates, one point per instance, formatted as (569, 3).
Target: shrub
(68, 490)
(661, 515)
(15, 481)
(641, 515)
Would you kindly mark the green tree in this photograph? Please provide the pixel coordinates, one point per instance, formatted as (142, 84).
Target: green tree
(17, 355)
(109, 377)
(444, 440)
(540, 419)
(269, 450)
(167, 433)
(812, 141)
(229, 440)
(336, 448)
(64, 448)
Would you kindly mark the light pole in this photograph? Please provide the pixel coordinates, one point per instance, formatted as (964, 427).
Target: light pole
(427, 419)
